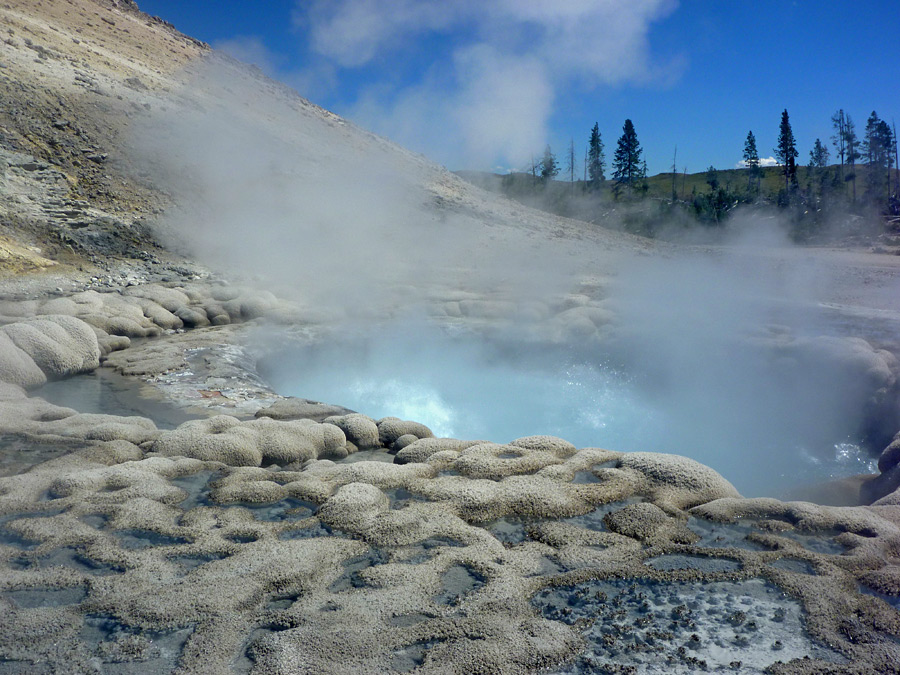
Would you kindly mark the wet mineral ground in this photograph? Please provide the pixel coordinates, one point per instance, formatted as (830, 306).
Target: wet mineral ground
(293, 536)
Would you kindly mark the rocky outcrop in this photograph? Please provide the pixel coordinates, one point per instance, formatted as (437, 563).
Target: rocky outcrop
(16, 367)
(646, 521)
(148, 310)
(676, 482)
(425, 448)
(43, 422)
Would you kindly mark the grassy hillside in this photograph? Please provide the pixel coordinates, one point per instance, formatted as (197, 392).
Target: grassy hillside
(813, 207)
(524, 186)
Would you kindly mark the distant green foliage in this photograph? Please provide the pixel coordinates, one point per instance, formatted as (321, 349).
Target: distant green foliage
(878, 151)
(826, 203)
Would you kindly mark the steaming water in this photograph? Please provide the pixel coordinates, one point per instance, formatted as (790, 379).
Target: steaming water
(764, 437)
(481, 391)
(462, 392)
(584, 403)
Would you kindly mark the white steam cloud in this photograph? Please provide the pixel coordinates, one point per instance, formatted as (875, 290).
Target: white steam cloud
(269, 185)
(266, 183)
(493, 90)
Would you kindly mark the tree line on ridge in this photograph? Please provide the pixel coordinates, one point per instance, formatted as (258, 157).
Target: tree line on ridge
(859, 187)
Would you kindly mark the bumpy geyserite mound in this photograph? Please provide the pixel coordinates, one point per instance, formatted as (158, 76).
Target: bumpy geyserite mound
(228, 440)
(52, 346)
(428, 585)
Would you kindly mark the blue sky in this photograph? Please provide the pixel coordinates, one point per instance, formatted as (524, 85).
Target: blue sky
(478, 84)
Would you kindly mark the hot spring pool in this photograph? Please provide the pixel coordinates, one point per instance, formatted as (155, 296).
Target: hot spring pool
(753, 430)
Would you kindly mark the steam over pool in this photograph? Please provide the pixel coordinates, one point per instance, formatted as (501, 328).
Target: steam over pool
(582, 402)
(466, 388)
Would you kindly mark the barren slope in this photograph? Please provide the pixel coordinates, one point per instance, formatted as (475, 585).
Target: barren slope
(78, 75)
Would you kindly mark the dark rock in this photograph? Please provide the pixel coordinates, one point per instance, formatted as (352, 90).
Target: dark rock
(135, 83)
(890, 456)
(889, 479)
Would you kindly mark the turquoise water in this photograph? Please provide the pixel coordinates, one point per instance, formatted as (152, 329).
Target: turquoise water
(763, 431)
(760, 432)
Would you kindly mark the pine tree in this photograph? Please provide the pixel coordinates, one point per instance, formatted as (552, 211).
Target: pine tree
(896, 191)
(596, 160)
(818, 156)
(751, 159)
(627, 161)
(549, 166)
(838, 123)
(851, 147)
(786, 152)
(878, 150)
(870, 146)
(818, 163)
(889, 144)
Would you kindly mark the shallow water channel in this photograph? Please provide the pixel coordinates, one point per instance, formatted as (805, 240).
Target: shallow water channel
(105, 391)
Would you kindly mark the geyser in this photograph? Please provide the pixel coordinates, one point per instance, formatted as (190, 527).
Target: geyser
(715, 353)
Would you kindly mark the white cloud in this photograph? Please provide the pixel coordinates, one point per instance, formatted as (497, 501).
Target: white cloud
(763, 161)
(604, 42)
(603, 39)
(492, 91)
(353, 32)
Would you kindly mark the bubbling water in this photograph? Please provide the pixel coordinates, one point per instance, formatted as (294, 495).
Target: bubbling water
(474, 389)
